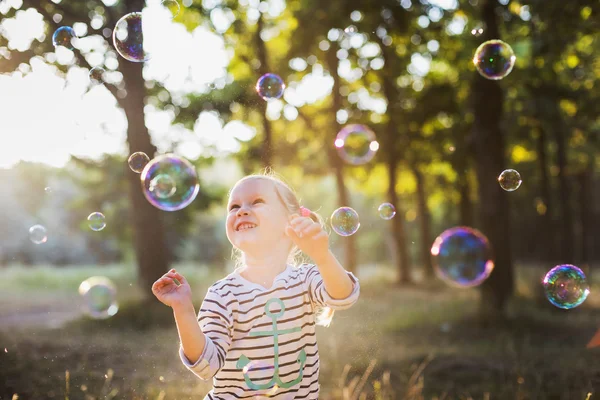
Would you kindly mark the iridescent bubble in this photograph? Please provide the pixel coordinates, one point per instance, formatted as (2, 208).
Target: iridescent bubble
(258, 371)
(137, 161)
(509, 180)
(566, 286)
(270, 86)
(128, 38)
(48, 189)
(494, 59)
(462, 256)
(180, 172)
(38, 234)
(97, 75)
(96, 221)
(356, 144)
(163, 186)
(477, 31)
(387, 211)
(344, 221)
(64, 36)
(99, 297)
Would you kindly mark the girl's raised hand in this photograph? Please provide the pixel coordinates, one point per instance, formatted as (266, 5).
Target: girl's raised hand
(309, 236)
(169, 292)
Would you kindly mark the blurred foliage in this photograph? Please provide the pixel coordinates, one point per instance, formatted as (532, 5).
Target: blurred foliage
(422, 49)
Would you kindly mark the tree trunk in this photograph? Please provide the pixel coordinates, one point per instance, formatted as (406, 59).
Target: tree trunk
(585, 216)
(566, 215)
(403, 266)
(403, 261)
(334, 160)
(466, 206)
(545, 233)
(261, 51)
(460, 164)
(424, 223)
(493, 203)
(148, 233)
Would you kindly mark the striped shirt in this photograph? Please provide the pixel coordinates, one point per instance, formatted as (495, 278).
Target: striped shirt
(262, 342)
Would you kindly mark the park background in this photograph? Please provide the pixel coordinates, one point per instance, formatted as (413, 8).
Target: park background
(403, 68)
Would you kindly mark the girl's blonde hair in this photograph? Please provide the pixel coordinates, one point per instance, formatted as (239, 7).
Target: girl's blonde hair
(289, 199)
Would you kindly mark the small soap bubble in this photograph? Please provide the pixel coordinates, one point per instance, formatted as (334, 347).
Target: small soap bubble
(97, 75)
(566, 286)
(99, 297)
(64, 36)
(270, 86)
(509, 180)
(163, 186)
(38, 234)
(48, 189)
(494, 59)
(137, 161)
(128, 38)
(96, 221)
(462, 257)
(345, 221)
(170, 182)
(350, 29)
(387, 211)
(356, 144)
(477, 31)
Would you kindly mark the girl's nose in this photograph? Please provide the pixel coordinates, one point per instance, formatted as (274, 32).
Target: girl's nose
(242, 211)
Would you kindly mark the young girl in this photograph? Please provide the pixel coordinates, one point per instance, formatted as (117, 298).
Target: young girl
(255, 331)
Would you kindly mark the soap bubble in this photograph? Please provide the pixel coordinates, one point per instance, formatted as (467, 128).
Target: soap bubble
(137, 161)
(494, 59)
(99, 297)
(64, 36)
(96, 221)
(566, 286)
(97, 75)
(170, 182)
(462, 256)
(344, 221)
(356, 144)
(48, 189)
(38, 234)
(270, 86)
(387, 211)
(128, 37)
(163, 186)
(509, 180)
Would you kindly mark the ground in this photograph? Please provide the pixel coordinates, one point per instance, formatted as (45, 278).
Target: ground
(420, 342)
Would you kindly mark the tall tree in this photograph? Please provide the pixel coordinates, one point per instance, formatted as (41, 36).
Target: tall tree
(489, 145)
(149, 242)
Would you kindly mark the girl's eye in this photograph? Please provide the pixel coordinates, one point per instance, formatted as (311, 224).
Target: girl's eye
(258, 201)
(233, 206)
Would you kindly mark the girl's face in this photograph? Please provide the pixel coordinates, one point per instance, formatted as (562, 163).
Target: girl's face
(256, 218)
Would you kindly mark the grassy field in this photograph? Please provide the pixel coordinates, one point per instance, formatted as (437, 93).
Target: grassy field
(395, 343)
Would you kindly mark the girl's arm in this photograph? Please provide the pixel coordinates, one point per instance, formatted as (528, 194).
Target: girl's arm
(205, 339)
(191, 336)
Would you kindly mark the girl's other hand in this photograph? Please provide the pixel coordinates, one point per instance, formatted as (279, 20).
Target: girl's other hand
(309, 236)
(169, 292)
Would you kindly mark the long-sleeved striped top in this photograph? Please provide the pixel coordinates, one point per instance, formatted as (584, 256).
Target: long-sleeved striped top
(261, 343)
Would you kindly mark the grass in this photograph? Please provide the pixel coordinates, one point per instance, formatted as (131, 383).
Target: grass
(395, 343)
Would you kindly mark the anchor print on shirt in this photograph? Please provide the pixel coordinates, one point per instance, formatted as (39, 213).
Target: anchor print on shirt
(275, 380)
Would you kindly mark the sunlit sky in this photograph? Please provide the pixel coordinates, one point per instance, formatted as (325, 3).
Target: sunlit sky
(47, 117)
